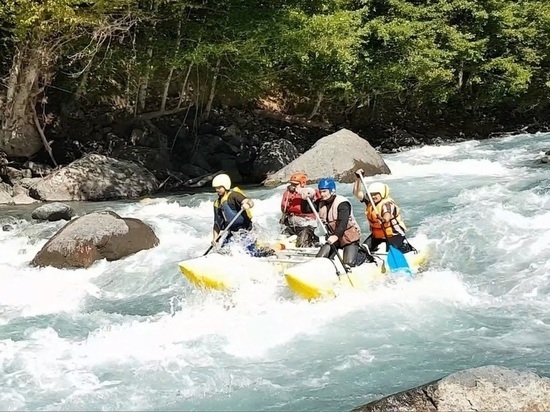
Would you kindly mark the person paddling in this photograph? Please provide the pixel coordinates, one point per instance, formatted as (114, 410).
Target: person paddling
(297, 218)
(336, 213)
(384, 217)
(233, 206)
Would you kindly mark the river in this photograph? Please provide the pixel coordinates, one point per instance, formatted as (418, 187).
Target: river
(135, 335)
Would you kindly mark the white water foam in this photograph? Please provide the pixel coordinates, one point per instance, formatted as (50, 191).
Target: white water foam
(484, 298)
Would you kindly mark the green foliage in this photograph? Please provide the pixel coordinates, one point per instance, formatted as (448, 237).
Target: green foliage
(418, 55)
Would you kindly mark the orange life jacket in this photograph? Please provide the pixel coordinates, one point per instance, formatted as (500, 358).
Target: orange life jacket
(395, 226)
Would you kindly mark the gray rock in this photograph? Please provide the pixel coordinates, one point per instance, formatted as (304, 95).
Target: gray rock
(20, 140)
(147, 157)
(272, 156)
(6, 194)
(23, 199)
(192, 170)
(21, 196)
(227, 163)
(29, 183)
(14, 175)
(488, 388)
(95, 177)
(232, 135)
(38, 169)
(200, 160)
(95, 236)
(53, 212)
(147, 134)
(215, 144)
(137, 137)
(338, 156)
(3, 158)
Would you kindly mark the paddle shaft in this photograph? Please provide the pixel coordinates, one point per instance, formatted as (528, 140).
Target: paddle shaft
(331, 245)
(223, 232)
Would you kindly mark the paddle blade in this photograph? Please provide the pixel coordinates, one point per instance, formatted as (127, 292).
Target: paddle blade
(397, 262)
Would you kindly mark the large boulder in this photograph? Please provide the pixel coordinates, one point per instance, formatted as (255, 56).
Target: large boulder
(6, 194)
(53, 212)
(488, 388)
(20, 139)
(14, 175)
(21, 196)
(271, 157)
(14, 195)
(546, 157)
(95, 236)
(95, 177)
(337, 155)
(38, 169)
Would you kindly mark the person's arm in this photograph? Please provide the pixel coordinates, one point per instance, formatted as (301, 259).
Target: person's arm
(387, 213)
(247, 203)
(357, 190)
(306, 192)
(240, 201)
(215, 229)
(284, 202)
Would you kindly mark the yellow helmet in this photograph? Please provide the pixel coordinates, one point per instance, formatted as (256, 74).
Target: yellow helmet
(222, 180)
(380, 188)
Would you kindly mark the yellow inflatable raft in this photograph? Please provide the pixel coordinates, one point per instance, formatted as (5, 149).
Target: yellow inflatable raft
(318, 277)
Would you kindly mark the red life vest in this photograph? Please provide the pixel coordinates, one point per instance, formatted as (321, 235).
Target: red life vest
(292, 204)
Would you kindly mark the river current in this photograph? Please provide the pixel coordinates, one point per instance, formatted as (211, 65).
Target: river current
(135, 335)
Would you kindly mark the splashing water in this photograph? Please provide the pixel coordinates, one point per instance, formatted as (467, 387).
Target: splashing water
(135, 335)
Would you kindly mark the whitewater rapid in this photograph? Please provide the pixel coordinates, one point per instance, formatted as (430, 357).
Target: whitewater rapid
(135, 335)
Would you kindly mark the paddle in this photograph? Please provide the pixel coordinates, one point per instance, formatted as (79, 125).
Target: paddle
(396, 259)
(223, 232)
(346, 268)
(374, 256)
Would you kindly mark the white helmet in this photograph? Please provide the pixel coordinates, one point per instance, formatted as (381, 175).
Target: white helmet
(222, 180)
(379, 188)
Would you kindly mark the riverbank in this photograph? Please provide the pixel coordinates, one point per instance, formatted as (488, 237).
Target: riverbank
(175, 154)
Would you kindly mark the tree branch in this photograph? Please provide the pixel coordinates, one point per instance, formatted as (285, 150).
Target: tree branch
(42, 135)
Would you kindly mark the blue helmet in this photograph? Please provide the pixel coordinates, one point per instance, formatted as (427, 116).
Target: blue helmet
(327, 184)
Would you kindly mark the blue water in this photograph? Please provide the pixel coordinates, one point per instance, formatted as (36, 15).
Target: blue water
(135, 335)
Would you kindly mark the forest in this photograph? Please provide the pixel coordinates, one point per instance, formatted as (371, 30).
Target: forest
(354, 62)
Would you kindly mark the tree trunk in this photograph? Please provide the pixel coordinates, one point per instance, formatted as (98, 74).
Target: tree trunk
(144, 82)
(183, 93)
(171, 73)
(317, 105)
(165, 91)
(18, 134)
(14, 75)
(460, 76)
(83, 84)
(212, 89)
